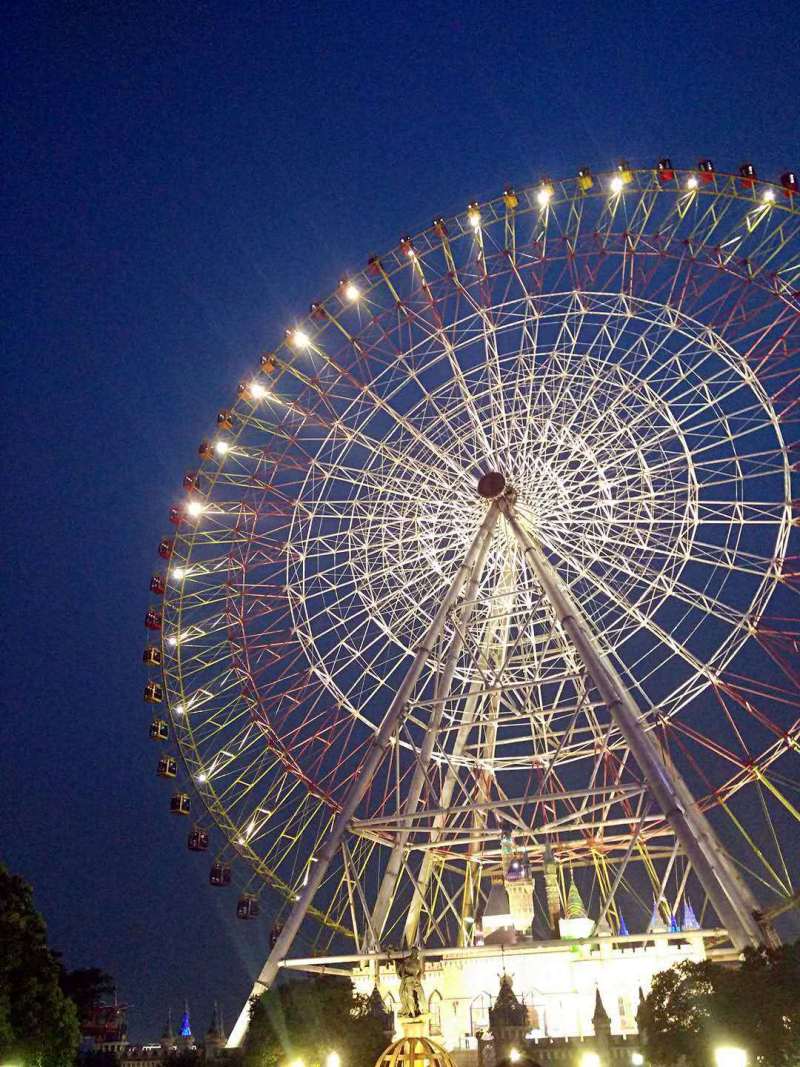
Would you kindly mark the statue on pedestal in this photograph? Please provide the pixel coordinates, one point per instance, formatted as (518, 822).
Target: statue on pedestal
(411, 968)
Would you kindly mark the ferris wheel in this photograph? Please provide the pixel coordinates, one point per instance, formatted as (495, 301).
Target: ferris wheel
(496, 554)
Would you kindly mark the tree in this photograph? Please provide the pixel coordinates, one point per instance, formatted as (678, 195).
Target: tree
(38, 1023)
(87, 988)
(308, 1019)
(693, 1007)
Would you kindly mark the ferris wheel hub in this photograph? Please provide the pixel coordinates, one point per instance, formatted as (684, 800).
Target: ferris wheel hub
(492, 485)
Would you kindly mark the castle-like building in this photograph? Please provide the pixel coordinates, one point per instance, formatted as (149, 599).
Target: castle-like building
(209, 1048)
(584, 981)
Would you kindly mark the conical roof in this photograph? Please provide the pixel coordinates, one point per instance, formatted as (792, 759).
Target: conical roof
(657, 924)
(604, 927)
(689, 918)
(497, 902)
(186, 1027)
(600, 1018)
(575, 906)
(599, 1008)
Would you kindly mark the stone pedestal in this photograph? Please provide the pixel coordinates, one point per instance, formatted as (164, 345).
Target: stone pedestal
(414, 1026)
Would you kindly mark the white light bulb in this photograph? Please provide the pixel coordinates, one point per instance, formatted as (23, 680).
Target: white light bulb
(352, 292)
(172, 640)
(257, 391)
(474, 219)
(769, 196)
(178, 573)
(201, 777)
(179, 709)
(300, 339)
(195, 508)
(221, 447)
(616, 184)
(543, 197)
(691, 183)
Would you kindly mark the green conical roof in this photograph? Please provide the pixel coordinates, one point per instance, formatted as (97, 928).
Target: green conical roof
(575, 907)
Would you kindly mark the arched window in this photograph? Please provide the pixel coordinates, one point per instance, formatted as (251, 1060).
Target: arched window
(479, 1013)
(435, 1010)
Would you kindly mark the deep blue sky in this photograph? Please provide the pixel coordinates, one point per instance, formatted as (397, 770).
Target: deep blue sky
(181, 180)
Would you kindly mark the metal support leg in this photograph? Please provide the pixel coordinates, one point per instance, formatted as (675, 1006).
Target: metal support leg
(429, 862)
(392, 873)
(379, 746)
(730, 898)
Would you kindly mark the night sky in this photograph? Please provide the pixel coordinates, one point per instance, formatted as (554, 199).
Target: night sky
(180, 181)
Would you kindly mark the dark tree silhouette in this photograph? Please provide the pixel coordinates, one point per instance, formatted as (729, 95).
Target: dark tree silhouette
(755, 1004)
(310, 1018)
(38, 1023)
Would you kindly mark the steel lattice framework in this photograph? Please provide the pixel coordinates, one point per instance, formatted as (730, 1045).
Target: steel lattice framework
(627, 354)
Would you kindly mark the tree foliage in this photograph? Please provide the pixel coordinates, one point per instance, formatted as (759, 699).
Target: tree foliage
(38, 1023)
(693, 1007)
(310, 1018)
(87, 988)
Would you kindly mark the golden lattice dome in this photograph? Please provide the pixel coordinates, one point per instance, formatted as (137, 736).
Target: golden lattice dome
(414, 1052)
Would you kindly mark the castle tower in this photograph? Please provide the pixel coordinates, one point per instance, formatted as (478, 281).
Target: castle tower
(186, 1038)
(215, 1036)
(168, 1040)
(552, 894)
(497, 924)
(519, 886)
(508, 1020)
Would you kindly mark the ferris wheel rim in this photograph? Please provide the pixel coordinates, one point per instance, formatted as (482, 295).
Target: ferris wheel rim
(494, 205)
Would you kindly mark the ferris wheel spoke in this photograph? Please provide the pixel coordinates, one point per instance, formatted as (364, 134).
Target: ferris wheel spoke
(645, 621)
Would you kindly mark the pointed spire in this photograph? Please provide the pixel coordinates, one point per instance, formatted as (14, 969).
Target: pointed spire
(186, 1028)
(600, 1019)
(169, 1033)
(575, 907)
(657, 924)
(377, 1005)
(623, 929)
(215, 1029)
(689, 918)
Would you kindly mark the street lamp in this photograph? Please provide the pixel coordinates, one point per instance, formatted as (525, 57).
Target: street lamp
(514, 1055)
(637, 1059)
(730, 1056)
(333, 1059)
(590, 1059)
